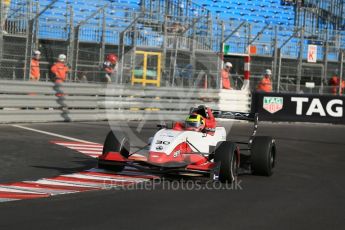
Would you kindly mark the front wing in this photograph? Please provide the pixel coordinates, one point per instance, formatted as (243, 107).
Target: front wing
(141, 163)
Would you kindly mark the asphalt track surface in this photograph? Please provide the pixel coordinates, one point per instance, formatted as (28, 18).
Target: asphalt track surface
(307, 190)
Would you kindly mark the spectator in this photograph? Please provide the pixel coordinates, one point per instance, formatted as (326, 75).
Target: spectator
(35, 66)
(109, 67)
(335, 82)
(183, 76)
(265, 85)
(82, 77)
(4, 12)
(225, 76)
(59, 69)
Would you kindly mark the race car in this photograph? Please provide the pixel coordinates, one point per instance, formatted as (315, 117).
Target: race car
(195, 146)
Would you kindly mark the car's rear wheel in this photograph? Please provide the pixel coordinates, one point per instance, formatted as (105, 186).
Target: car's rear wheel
(226, 154)
(263, 155)
(115, 143)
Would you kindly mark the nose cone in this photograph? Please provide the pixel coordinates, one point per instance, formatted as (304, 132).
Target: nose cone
(158, 158)
(166, 161)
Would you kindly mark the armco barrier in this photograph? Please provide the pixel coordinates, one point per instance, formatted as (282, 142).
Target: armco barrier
(44, 101)
(299, 107)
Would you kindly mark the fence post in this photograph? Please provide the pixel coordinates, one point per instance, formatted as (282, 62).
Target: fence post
(102, 45)
(1, 46)
(300, 62)
(173, 58)
(122, 47)
(142, 5)
(192, 47)
(1, 11)
(279, 54)
(35, 35)
(28, 50)
(246, 80)
(341, 71)
(75, 49)
(1, 33)
(249, 38)
(167, 7)
(325, 62)
(275, 57)
(71, 44)
(134, 43)
(29, 41)
(210, 32)
(222, 43)
(164, 48)
(151, 9)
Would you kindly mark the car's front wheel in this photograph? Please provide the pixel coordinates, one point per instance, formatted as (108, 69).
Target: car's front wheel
(226, 154)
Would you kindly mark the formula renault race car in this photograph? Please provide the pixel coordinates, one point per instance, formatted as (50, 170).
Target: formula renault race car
(196, 146)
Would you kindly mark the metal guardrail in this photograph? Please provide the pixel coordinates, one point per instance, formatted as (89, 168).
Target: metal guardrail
(23, 101)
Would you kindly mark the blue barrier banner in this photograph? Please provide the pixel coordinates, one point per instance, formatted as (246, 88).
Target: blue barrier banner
(299, 107)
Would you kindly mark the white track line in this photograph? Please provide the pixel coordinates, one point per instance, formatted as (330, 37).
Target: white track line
(81, 176)
(84, 148)
(6, 200)
(99, 186)
(78, 145)
(52, 182)
(2, 189)
(113, 176)
(91, 152)
(52, 192)
(53, 134)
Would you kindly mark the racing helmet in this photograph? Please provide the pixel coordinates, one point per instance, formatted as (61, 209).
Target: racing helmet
(112, 58)
(195, 122)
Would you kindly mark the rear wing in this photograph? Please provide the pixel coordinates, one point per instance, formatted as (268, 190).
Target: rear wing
(236, 115)
(253, 117)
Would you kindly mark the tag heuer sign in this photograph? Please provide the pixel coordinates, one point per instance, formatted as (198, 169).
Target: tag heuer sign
(273, 104)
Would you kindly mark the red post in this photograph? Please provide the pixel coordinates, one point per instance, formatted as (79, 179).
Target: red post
(246, 73)
(246, 68)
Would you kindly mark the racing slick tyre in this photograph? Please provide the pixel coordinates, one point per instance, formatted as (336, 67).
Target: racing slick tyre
(115, 143)
(227, 155)
(263, 155)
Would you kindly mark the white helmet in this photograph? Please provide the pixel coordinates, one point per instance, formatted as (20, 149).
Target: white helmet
(62, 57)
(228, 64)
(37, 52)
(268, 72)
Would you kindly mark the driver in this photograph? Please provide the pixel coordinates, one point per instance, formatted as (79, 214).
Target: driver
(195, 122)
(207, 115)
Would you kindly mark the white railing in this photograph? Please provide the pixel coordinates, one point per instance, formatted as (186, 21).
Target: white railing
(46, 101)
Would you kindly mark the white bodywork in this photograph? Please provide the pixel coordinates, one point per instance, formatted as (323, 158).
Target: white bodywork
(166, 140)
